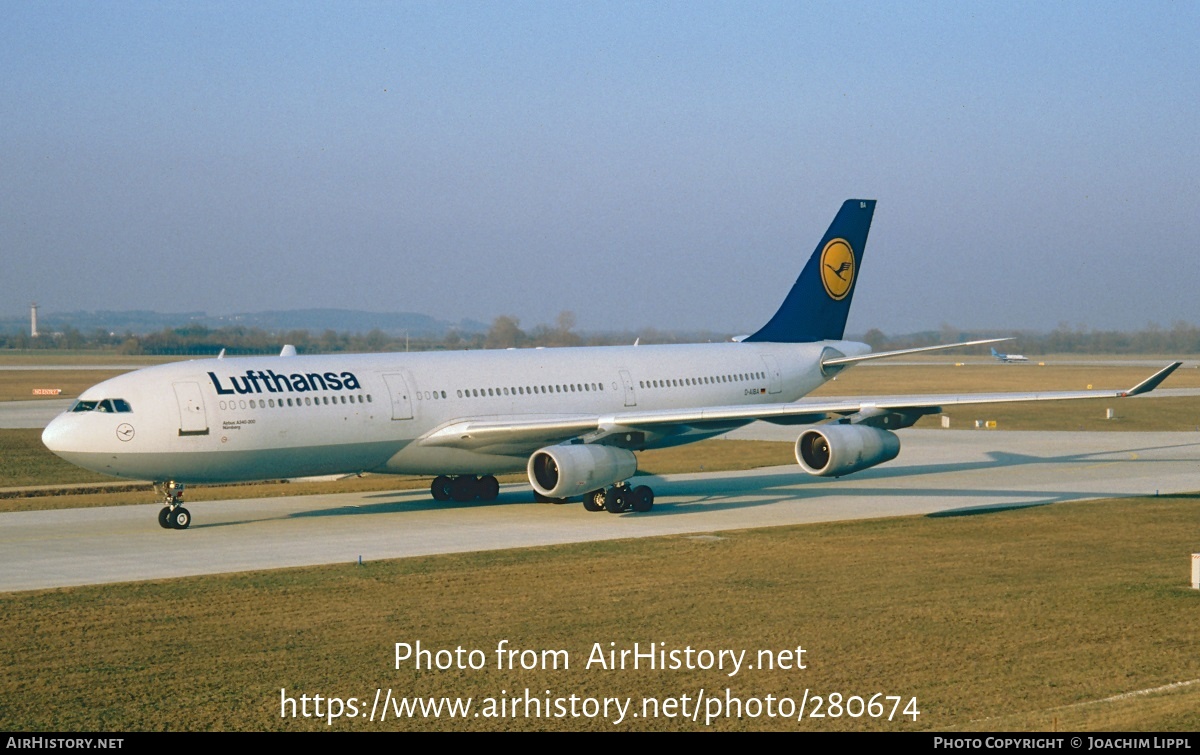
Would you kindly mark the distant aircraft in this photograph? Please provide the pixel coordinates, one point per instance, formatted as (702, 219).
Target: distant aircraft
(1009, 357)
(570, 418)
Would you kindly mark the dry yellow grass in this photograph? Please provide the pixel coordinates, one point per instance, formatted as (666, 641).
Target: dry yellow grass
(56, 357)
(887, 379)
(25, 461)
(1008, 620)
(18, 385)
(1143, 413)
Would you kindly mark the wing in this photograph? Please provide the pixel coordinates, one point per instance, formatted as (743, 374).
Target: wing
(524, 434)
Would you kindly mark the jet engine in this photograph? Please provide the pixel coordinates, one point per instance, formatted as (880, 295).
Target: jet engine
(836, 450)
(562, 471)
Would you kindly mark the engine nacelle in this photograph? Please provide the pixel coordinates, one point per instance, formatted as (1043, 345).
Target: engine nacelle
(836, 450)
(562, 471)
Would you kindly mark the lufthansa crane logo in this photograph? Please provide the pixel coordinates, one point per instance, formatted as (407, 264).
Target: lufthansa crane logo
(837, 268)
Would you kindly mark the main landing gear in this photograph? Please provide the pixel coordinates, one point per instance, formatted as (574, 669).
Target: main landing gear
(620, 498)
(465, 488)
(616, 499)
(173, 515)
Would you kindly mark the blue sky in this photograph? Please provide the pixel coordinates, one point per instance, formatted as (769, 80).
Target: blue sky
(667, 164)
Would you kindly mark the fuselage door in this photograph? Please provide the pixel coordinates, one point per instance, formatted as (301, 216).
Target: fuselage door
(630, 396)
(192, 419)
(773, 375)
(398, 388)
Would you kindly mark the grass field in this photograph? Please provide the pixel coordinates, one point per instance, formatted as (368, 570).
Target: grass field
(1143, 413)
(887, 379)
(38, 357)
(25, 461)
(18, 385)
(1025, 619)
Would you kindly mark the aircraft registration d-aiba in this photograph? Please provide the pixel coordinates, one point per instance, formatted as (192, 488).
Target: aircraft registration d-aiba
(570, 418)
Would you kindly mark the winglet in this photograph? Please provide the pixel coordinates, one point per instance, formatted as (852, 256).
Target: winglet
(1153, 381)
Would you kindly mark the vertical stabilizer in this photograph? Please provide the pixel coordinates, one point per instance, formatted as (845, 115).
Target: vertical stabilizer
(817, 306)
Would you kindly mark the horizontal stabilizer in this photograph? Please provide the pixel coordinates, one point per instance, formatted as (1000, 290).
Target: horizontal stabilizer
(900, 352)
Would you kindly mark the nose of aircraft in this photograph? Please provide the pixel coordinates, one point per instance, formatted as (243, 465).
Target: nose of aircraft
(57, 435)
(70, 438)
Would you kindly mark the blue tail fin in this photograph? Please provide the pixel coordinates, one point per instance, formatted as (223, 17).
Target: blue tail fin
(818, 304)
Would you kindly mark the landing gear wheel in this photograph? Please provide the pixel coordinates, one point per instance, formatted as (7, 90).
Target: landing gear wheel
(171, 495)
(616, 500)
(643, 499)
(594, 501)
(440, 488)
(488, 488)
(180, 518)
(463, 489)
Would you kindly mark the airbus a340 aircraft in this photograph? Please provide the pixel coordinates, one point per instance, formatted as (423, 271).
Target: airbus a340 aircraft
(571, 418)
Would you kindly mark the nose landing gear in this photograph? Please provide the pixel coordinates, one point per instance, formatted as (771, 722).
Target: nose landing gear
(173, 516)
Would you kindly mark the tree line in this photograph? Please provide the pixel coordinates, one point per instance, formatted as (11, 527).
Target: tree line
(200, 340)
(506, 333)
(1180, 339)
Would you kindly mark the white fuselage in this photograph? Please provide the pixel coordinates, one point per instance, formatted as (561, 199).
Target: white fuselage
(253, 418)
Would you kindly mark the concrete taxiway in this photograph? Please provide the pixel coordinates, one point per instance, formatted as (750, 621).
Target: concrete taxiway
(30, 415)
(939, 472)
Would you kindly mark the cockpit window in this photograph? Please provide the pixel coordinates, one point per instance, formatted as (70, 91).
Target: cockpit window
(103, 405)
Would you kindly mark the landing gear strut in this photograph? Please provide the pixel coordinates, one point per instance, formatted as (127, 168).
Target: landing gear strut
(620, 498)
(172, 516)
(465, 488)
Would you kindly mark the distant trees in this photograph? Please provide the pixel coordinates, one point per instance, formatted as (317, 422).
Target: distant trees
(875, 339)
(505, 333)
(1180, 339)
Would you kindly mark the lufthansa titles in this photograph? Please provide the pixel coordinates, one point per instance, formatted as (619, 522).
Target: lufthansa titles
(269, 381)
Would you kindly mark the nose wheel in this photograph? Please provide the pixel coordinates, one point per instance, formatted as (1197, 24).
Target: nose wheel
(173, 516)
